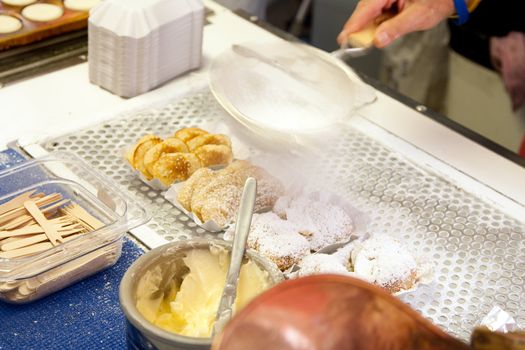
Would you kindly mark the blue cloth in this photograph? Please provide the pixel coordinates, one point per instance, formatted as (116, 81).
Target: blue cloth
(86, 315)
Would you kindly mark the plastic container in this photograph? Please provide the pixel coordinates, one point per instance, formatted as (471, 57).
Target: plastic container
(142, 334)
(26, 279)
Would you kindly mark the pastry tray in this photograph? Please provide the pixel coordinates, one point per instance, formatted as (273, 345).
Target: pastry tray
(477, 247)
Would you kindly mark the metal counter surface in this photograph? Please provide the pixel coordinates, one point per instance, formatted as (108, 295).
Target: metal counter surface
(473, 237)
(448, 196)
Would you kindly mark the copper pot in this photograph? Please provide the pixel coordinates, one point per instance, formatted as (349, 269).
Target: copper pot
(329, 312)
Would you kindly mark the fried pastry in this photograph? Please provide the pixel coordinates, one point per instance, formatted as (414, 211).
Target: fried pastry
(186, 134)
(173, 167)
(384, 261)
(136, 156)
(215, 196)
(208, 139)
(276, 239)
(189, 149)
(220, 205)
(198, 179)
(322, 223)
(212, 155)
(170, 145)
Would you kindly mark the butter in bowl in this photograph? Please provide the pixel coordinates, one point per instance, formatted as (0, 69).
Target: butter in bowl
(171, 294)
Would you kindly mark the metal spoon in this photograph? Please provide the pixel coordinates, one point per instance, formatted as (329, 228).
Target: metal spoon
(345, 51)
(360, 43)
(242, 228)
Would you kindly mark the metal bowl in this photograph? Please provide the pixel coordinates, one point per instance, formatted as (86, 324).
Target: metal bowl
(140, 333)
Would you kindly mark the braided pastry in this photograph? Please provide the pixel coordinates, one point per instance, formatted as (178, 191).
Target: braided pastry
(208, 139)
(178, 157)
(136, 156)
(186, 134)
(170, 145)
(213, 155)
(172, 167)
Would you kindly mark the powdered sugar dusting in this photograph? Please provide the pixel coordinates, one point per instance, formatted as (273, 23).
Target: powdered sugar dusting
(322, 223)
(278, 240)
(315, 264)
(383, 260)
(300, 223)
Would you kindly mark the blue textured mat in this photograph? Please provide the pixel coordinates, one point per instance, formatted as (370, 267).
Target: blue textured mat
(83, 316)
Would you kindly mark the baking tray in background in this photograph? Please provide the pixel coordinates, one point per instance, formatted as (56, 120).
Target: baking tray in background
(478, 247)
(32, 31)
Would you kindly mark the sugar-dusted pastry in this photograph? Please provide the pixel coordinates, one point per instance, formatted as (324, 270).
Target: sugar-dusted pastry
(208, 139)
(316, 264)
(186, 134)
(218, 197)
(381, 260)
(276, 239)
(136, 156)
(385, 261)
(321, 222)
(220, 206)
(169, 145)
(213, 155)
(284, 251)
(198, 179)
(268, 189)
(281, 205)
(172, 167)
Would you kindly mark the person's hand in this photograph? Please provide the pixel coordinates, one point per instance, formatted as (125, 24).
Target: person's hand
(412, 16)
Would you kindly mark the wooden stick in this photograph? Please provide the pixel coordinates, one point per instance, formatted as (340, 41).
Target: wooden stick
(33, 249)
(40, 202)
(26, 219)
(35, 239)
(28, 230)
(13, 239)
(18, 201)
(80, 213)
(365, 37)
(34, 229)
(48, 227)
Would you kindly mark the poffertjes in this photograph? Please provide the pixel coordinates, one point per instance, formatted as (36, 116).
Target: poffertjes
(177, 158)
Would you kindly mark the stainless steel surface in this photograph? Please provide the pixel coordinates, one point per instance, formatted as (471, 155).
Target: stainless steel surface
(478, 250)
(242, 228)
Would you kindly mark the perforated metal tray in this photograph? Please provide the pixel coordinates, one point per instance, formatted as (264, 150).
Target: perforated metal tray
(478, 250)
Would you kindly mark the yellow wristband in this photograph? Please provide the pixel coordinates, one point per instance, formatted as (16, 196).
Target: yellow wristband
(473, 4)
